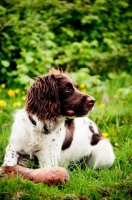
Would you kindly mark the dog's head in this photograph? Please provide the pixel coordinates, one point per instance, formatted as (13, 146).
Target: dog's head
(57, 94)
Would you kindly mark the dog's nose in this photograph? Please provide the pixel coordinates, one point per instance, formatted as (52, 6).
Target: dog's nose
(90, 101)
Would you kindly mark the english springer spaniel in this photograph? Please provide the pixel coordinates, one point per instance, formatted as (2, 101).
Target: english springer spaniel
(54, 127)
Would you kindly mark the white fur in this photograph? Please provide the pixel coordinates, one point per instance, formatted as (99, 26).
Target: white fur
(29, 139)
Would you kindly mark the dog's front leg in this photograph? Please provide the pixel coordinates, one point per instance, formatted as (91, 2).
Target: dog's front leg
(48, 158)
(11, 157)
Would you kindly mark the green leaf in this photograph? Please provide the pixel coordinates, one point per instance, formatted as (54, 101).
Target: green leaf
(2, 10)
(5, 63)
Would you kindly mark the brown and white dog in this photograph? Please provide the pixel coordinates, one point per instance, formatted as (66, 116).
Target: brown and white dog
(54, 128)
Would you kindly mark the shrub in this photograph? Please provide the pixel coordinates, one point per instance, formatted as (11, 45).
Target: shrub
(36, 35)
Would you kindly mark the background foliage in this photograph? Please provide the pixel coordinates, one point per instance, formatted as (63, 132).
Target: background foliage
(36, 35)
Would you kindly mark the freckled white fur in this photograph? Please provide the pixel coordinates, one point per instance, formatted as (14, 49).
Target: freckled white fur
(29, 139)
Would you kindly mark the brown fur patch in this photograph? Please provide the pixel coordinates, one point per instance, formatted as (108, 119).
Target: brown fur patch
(92, 129)
(96, 137)
(70, 126)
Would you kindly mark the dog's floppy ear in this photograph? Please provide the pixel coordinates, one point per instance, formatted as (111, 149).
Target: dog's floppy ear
(42, 98)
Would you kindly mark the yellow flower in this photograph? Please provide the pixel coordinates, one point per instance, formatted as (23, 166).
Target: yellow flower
(1, 111)
(105, 134)
(24, 98)
(16, 104)
(11, 93)
(2, 103)
(116, 144)
(102, 105)
(3, 85)
(82, 85)
(17, 91)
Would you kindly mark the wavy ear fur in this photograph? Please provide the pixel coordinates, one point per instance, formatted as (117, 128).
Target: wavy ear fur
(42, 98)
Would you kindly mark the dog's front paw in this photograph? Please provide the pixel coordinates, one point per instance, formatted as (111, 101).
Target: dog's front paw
(10, 158)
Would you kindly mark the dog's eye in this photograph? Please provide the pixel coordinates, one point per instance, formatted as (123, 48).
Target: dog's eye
(67, 89)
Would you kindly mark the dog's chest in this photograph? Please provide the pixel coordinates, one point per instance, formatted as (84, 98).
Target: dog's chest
(41, 141)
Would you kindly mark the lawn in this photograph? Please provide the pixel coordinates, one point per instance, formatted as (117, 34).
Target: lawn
(113, 115)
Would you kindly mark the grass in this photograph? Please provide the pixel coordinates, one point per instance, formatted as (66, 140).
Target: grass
(113, 114)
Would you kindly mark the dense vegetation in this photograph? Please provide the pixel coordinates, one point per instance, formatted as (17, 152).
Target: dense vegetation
(92, 40)
(36, 35)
